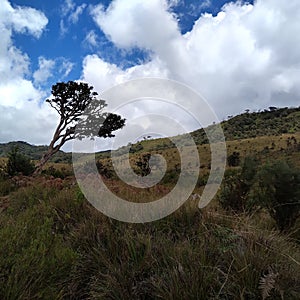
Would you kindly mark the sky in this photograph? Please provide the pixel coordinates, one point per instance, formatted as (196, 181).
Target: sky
(238, 55)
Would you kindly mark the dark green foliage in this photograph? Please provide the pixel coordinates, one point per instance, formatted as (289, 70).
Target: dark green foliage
(18, 163)
(112, 123)
(278, 190)
(81, 114)
(76, 102)
(34, 152)
(171, 177)
(233, 159)
(236, 186)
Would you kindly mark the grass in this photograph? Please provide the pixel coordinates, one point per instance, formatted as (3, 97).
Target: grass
(59, 247)
(55, 245)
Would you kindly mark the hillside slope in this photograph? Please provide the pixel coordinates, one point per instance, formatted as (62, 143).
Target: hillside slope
(32, 151)
(272, 122)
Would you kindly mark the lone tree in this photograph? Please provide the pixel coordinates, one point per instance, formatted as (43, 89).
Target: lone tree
(77, 104)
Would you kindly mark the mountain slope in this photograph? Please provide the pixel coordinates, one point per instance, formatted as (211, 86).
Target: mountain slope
(32, 151)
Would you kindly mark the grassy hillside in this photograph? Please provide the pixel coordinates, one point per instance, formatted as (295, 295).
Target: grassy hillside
(274, 122)
(55, 245)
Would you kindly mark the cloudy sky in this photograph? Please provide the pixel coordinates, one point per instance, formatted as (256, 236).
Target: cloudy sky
(239, 55)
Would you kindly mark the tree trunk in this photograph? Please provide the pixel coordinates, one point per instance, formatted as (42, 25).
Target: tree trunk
(43, 161)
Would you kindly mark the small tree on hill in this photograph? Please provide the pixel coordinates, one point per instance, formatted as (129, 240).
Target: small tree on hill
(18, 163)
(71, 100)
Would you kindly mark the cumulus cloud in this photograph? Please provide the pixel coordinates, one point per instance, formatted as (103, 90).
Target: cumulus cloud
(22, 115)
(103, 75)
(247, 56)
(20, 19)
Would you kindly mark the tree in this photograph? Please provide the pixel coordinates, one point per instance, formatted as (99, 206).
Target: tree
(77, 104)
(18, 163)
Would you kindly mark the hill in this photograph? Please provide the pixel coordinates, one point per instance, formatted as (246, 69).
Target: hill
(58, 246)
(272, 122)
(33, 152)
(275, 121)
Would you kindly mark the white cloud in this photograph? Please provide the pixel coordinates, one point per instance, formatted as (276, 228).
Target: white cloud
(59, 67)
(22, 116)
(248, 56)
(63, 28)
(20, 19)
(91, 38)
(139, 23)
(74, 16)
(65, 67)
(67, 7)
(45, 70)
(70, 13)
(103, 75)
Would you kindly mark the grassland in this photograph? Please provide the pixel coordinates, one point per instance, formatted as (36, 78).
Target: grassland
(55, 245)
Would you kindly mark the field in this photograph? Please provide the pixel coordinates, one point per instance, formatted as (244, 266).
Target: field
(55, 245)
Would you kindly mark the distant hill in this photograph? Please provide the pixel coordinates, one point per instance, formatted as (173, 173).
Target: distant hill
(271, 122)
(275, 121)
(33, 152)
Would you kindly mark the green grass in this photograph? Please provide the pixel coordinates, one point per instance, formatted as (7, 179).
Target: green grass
(54, 245)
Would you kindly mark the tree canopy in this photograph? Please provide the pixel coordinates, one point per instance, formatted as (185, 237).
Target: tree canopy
(77, 104)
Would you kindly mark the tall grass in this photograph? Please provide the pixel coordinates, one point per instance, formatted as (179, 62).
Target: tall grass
(55, 245)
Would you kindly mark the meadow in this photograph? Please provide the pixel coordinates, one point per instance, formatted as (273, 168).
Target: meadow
(55, 245)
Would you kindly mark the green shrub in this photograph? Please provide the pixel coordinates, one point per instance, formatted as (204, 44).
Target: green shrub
(277, 189)
(233, 159)
(236, 186)
(18, 163)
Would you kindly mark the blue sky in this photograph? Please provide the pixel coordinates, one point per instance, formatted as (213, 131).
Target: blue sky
(238, 55)
(65, 37)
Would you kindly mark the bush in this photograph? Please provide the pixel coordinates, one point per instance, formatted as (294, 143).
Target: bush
(57, 173)
(18, 163)
(233, 159)
(277, 189)
(236, 186)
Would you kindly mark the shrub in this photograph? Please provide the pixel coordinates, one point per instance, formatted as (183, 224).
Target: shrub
(236, 186)
(57, 173)
(233, 159)
(277, 189)
(18, 163)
